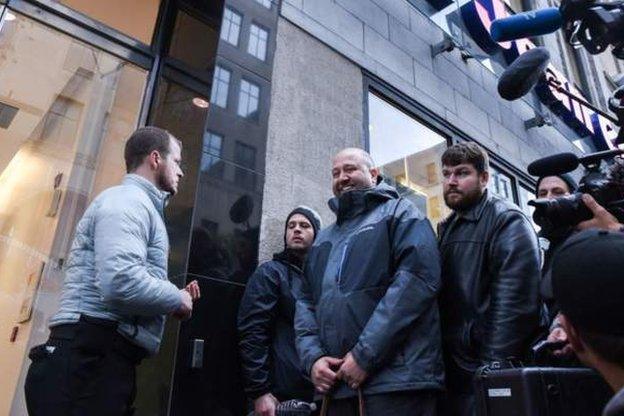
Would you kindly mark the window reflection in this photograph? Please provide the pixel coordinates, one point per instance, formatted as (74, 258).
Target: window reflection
(526, 195)
(211, 155)
(248, 99)
(230, 28)
(500, 185)
(258, 38)
(265, 3)
(195, 41)
(408, 154)
(245, 157)
(220, 87)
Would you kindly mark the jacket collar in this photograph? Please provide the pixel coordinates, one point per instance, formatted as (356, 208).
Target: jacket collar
(289, 259)
(158, 197)
(353, 203)
(474, 213)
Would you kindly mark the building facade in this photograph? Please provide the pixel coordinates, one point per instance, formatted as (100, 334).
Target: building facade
(261, 93)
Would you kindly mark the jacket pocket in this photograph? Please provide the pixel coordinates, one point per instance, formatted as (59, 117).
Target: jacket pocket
(359, 307)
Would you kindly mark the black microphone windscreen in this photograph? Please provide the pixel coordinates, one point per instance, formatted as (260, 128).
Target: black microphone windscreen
(553, 165)
(523, 73)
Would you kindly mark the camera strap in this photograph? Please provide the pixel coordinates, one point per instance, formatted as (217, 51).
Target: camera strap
(327, 399)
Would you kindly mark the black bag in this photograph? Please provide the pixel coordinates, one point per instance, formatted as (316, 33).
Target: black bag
(541, 391)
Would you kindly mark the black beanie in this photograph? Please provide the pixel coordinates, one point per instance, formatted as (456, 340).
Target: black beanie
(310, 214)
(566, 177)
(587, 281)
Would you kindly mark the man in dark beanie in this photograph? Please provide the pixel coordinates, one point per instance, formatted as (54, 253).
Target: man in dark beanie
(589, 288)
(550, 187)
(271, 367)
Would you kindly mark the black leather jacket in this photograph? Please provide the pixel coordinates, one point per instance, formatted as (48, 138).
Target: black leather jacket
(490, 277)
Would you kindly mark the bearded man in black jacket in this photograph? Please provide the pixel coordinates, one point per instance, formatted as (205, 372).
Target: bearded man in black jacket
(271, 367)
(489, 301)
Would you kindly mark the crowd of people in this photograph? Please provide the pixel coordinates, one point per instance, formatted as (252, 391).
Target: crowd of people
(375, 313)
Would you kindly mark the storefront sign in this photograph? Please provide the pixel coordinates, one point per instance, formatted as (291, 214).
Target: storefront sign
(478, 16)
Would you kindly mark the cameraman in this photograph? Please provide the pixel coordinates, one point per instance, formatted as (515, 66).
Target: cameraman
(588, 287)
(550, 187)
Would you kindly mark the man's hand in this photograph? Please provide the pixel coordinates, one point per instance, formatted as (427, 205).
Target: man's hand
(323, 373)
(186, 309)
(265, 405)
(556, 335)
(602, 218)
(351, 373)
(193, 290)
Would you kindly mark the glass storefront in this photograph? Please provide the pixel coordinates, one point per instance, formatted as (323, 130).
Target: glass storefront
(408, 154)
(66, 109)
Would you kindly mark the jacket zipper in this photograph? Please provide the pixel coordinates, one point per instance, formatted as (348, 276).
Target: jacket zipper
(342, 259)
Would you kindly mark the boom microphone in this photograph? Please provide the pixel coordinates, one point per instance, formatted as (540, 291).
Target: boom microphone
(527, 24)
(553, 165)
(523, 74)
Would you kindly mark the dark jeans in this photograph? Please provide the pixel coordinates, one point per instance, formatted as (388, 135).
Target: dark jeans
(457, 404)
(408, 403)
(83, 369)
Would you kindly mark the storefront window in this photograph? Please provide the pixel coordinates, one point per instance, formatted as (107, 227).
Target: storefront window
(527, 195)
(135, 18)
(66, 110)
(500, 185)
(408, 154)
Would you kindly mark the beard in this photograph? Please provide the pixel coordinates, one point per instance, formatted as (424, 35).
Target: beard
(466, 200)
(164, 184)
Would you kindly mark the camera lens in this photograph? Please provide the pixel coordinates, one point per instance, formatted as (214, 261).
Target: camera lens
(560, 212)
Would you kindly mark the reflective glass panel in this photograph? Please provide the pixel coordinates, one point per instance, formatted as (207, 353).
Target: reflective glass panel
(66, 110)
(248, 99)
(136, 18)
(220, 87)
(230, 28)
(527, 195)
(258, 38)
(408, 154)
(195, 41)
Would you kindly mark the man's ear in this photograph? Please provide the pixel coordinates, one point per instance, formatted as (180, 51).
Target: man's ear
(374, 175)
(573, 336)
(154, 159)
(484, 178)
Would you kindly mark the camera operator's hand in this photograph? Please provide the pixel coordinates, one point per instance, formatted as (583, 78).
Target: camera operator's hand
(602, 218)
(558, 334)
(265, 405)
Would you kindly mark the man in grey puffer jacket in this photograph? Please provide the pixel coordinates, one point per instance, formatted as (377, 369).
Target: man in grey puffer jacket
(116, 293)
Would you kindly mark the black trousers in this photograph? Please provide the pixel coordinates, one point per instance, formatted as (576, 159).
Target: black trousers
(84, 369)
(401, 403)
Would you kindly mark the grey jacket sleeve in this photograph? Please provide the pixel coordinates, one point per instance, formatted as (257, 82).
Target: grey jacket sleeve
(413, 289)
(307, 340)
(514, 266)
(121, 238)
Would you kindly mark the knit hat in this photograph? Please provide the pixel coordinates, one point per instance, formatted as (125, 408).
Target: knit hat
(565, 177)
(310, 214)
(587, 281)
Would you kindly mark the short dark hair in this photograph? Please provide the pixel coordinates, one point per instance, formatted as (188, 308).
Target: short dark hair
(467, 152)
(143, 142)
(610, 347)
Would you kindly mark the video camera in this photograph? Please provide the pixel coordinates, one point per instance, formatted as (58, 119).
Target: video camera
(606, 186)
(593, 24)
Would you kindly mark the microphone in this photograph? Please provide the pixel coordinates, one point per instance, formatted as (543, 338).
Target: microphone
(522, 75)
(527, 24)
(553, 165)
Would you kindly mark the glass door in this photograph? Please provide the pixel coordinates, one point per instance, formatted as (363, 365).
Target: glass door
(66, 109)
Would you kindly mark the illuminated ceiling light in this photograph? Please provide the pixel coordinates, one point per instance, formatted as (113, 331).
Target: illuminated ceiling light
(9, 16)
(200, 102)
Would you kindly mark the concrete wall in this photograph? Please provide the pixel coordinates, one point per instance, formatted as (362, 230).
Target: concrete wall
(392, 39)
(316, 110)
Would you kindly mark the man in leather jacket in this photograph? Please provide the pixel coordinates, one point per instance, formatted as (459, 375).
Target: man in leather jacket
(271, 367)
(489, 301)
